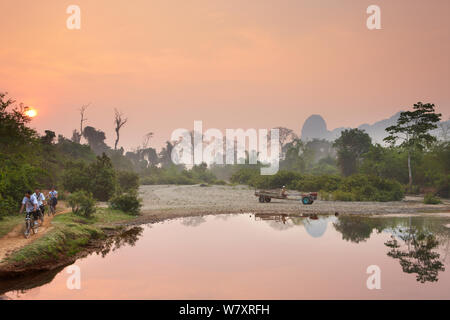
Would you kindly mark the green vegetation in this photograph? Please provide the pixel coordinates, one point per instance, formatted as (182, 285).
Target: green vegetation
(70, 234)
(9, 222)
(412, 130)
(351, 146)
(431, 199)
(127, 202)
(351, 168)
(82, 203)
(98, 177)
(368, 188)
(357, 187)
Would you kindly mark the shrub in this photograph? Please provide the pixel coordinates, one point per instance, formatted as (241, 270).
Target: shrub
(431, 199)
(368, 188)
(314, 183)
(82, 203)
(340, 195)
(245, 174)
(127, 202)
(128, 180)
(219, 182)
(98, 178)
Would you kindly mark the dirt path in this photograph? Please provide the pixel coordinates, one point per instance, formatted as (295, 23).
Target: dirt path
(15, 239)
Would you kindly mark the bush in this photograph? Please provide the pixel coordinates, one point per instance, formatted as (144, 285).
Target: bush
(219, 182)
(82, 203)
(127, 202)
(431, 199)
(340, 195)
(368, 188)
(128, 180)
(245, 174)
(98, 178)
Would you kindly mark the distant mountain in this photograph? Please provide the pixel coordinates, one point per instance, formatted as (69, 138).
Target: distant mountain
(315, 127)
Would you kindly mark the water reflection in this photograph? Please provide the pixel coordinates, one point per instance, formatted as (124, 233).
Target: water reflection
(414, 240)
(296, 255)
(30, 284)
(193, 221)
(128, 237)
(416, 255)
(314, 225)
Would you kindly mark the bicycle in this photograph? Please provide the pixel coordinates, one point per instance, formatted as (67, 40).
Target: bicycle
(40, 214)
(52, 207)
(31, 224)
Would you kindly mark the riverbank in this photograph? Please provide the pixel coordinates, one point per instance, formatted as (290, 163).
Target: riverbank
(72, 237)
(69, 238)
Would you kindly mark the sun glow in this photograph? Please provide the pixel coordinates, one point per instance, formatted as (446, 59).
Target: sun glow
(31, 113)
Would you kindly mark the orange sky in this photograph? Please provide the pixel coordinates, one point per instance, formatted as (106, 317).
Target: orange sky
(231, 63)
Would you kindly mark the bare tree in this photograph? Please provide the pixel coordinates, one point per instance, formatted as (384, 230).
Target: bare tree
(147, 138)
(285, 136)
(76, 136)
(119, 121)
(82, 114)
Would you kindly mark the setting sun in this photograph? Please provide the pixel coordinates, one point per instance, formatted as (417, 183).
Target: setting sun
(31, 113)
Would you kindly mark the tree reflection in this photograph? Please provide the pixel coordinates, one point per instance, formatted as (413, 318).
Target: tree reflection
(418, 257)
(128, 237)
(353, 228)
(193, 221)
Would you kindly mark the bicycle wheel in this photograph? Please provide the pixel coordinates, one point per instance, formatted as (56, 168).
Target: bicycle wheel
(27, 229)
(35, 228)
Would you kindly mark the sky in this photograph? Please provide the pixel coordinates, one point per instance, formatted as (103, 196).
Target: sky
(230, 63)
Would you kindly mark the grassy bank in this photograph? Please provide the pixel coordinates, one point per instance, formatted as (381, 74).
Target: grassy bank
(8, 223)
(69, 235)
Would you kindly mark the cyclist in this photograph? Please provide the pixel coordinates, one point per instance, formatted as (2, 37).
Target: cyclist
(31, 207)
(53, 197)
(40, 198)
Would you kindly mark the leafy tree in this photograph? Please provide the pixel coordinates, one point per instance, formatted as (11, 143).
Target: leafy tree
(128, 181)
(14, 133)
(98, 178)
(413, 130)
(96, 139)
(49, 137)
(385, 163)
(351, 146)
(103, 178)
(294, 158)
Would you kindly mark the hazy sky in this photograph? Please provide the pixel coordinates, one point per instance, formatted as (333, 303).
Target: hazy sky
(231, 63)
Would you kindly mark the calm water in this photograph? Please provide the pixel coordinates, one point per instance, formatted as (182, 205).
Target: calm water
(260, 257)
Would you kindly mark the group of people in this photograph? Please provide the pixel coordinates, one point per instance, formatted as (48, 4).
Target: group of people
(34, 203)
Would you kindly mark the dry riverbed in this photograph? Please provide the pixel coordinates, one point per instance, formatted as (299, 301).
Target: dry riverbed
(162, 202)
